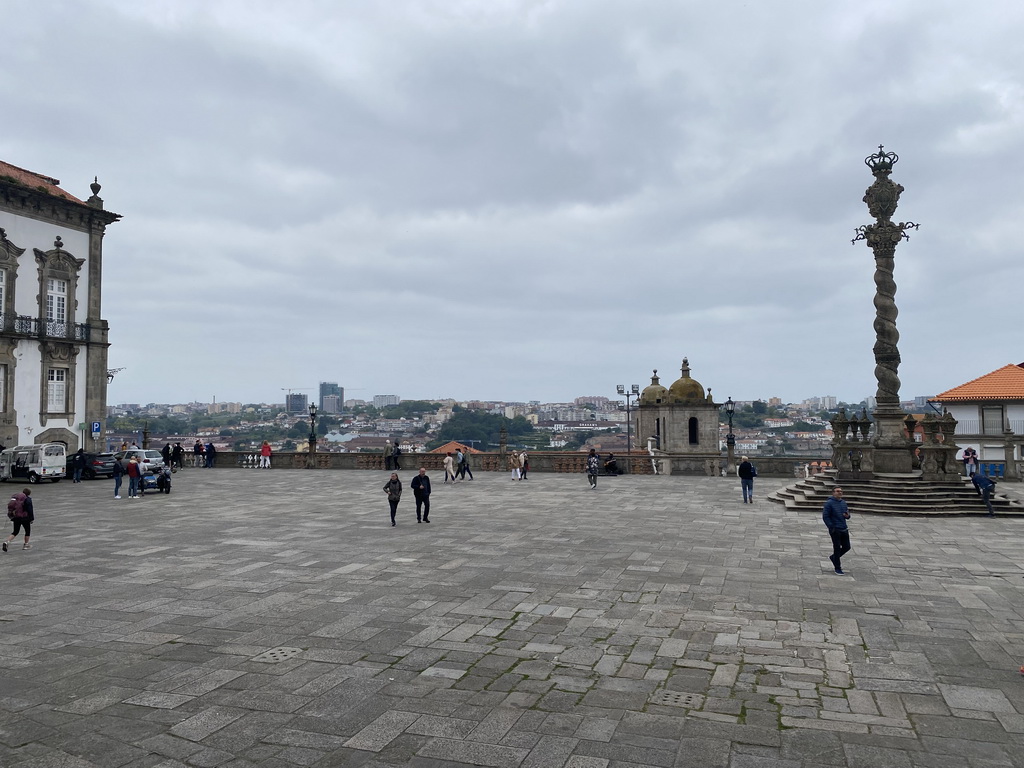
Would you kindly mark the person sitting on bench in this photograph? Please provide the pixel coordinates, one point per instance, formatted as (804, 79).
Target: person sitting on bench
(611, 466)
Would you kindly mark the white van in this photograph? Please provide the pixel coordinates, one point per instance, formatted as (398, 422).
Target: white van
(34, 463)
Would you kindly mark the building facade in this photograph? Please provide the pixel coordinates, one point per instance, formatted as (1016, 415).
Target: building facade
(296, 403)
(331, 397)
(990, 413)
(53, 340)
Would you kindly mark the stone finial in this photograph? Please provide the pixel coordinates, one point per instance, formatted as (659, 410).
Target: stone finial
(685, 369)
(58, 243)
(3, 238)
(95, 201)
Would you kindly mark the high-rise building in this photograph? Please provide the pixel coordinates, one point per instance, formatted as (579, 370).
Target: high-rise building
(382, 401)
(330, 404)
(296, 403)
(329, 389)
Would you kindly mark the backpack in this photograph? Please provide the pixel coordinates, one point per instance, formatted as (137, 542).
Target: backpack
(16, 508)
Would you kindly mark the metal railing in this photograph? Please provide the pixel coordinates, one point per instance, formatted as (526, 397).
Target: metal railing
(25, 325)
(973, 427)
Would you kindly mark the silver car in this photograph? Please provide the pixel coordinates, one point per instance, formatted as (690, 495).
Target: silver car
(153, 458)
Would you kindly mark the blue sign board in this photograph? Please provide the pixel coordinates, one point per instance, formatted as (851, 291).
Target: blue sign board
(96, 426)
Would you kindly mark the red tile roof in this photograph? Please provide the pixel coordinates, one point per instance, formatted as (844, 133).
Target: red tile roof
(453, 446)
(1006, 383)
(34, 180)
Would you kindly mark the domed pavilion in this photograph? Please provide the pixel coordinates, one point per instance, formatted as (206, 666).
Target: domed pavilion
(683, 419)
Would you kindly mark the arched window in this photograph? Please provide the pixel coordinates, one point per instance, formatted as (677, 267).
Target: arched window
(694, 433)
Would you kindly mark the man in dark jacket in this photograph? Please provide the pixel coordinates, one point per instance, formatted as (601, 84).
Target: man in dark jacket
(421, 491)
(747, 474)
(984, 487)
(835, 513)
(77, 465)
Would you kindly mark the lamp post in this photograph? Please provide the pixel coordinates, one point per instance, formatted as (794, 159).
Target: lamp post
(730, 439)
(311, 459)
(633, 391)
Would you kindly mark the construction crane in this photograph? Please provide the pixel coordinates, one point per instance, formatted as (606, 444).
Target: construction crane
(289, 390)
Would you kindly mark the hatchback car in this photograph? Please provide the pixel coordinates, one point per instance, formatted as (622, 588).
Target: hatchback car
(153, 458)
(96, 465)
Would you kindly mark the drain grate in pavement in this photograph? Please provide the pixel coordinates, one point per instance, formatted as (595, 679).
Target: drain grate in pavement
(677, 699)
(277, 655)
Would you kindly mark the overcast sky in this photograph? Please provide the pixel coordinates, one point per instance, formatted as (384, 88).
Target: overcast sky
(505, 199)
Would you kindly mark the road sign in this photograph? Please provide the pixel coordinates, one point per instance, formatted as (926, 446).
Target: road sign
(96, 427)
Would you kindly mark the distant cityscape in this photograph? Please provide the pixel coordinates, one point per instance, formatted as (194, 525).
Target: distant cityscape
(761, 427)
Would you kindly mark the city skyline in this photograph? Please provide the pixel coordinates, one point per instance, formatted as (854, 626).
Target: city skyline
(500, 200)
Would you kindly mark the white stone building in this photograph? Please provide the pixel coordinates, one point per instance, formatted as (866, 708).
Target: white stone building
(53, 341)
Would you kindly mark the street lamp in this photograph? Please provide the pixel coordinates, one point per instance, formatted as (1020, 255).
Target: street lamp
(311, 459)
(633, 391)
(730, 439)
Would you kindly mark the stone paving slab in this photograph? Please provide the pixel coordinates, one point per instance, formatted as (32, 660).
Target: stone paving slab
(275, 618)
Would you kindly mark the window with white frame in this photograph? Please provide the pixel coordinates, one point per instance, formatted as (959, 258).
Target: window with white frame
(57, 390)
(56, 305)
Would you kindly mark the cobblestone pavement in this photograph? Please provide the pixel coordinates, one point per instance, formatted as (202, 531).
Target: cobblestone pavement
(275, 618)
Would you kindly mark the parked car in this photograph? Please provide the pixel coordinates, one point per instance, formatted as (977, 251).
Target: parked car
(96, 465)
(153, 458)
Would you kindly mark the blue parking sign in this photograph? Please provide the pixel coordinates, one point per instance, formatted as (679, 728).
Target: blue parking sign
(96, 426)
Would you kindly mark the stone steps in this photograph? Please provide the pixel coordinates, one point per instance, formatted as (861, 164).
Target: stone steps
(902, 495)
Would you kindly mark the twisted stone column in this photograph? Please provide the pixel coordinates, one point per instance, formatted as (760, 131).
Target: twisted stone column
(882, 197)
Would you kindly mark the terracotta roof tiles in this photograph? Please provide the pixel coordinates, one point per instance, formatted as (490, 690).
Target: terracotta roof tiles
(34, 180)
(1006, 383)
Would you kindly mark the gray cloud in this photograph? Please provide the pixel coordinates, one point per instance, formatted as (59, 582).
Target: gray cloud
(528, 200)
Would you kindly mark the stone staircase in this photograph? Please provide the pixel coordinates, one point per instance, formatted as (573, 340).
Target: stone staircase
(894, 495)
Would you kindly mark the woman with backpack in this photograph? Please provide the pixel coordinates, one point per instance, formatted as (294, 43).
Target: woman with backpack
(19, 510)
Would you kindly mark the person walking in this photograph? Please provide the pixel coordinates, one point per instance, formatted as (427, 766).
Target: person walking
(984, 486)
(211, 455)
(165, 452)
(393, 488)
(117, 472)
(388, 451)
(593, 467)
(134, 472)
(177, 454)
(265, 453)
(513, 464)
(395, 453)
(77, 465)
(449, 468)
(835, 513)
(421, 490)
(747, 473)
(21, 513)
(524, 465)
(464, 466)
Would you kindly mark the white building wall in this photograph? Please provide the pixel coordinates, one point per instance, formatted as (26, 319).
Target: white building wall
(32, 234)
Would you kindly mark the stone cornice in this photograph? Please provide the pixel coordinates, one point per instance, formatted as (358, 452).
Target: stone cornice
(37, 204)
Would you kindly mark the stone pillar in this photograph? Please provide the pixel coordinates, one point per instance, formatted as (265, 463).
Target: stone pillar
(891, 454)
(1011, 464)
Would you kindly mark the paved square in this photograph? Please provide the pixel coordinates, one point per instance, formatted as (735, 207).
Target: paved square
(275, 618)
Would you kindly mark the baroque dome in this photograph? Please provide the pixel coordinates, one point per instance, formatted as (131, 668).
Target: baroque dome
(655, 394)
(685, 390)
